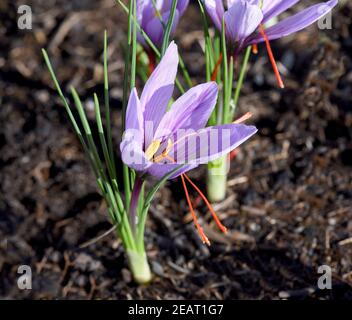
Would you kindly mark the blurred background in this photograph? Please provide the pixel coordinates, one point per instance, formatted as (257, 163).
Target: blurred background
(289, 205)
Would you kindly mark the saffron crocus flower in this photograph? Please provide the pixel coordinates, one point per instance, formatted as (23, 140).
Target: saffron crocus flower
(156, 141)
(244, 22)
(153, 15)
(244, 17)
(151, 129)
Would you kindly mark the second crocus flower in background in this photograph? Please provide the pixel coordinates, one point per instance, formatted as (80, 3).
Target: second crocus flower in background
(153, 17)
(243, 18)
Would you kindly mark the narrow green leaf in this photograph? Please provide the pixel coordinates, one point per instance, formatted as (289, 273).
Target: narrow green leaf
(241, 77)
(91, 144)
(102, 136)
(168, 28)
(58, 89)
(208, 42)
(134, 47)
(107, 105)
(229, 91)
(71, 117)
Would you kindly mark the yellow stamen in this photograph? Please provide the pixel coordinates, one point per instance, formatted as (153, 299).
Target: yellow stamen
(152, 149)
(165, 152)
(170, 144)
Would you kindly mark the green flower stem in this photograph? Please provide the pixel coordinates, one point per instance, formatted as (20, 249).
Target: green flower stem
(217, 178)
(167, 30)
(139, 266)
(243, 72)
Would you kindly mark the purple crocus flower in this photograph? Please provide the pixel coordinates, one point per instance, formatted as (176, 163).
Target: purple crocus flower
(243, 18)
(157, 141)
(244, 22)
(153, 15)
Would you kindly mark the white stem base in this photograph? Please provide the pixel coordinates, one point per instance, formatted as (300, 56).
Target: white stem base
(217, 179)
(139, 267)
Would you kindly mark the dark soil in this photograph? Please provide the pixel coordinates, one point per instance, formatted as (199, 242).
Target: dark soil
(289, 205)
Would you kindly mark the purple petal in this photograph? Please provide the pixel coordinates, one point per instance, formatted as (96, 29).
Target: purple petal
(131, 152)
(159, 170)
(210, 143)
(272, 8)
(131, 146)
(141, 40)
(134, 116)
(181, 6)
(215, 9)
(191, 110)
(155, 28)
(296, 22)
(140, 6)
(158, 90)
(145, 12)
(241, 20)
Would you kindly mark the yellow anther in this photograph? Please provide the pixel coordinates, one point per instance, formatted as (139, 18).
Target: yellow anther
(152, 149)
(165, 152)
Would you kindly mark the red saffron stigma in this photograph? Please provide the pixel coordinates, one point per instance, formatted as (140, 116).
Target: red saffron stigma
(254, 48)
(271, 57)
(216, 68)
(220, 225)
(194, 216)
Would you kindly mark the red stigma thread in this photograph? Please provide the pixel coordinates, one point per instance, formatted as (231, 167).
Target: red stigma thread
(216, 68)
(271, 57)
(194, 216)
(210, 207)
